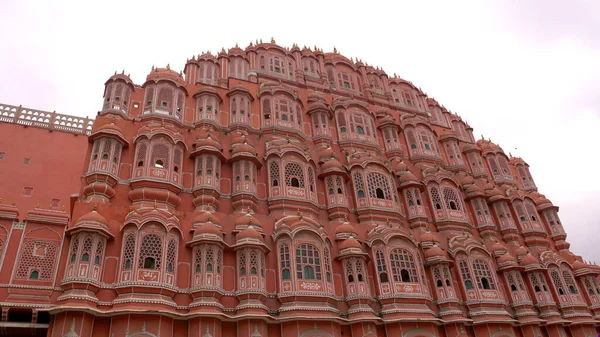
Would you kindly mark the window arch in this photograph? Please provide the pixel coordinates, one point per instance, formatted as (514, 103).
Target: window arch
(164, 99)
(284, 260)
(378, 186)
(448, 204)
(85, 256)
(308, 262)
(150, 255)
(281, 110)
(106, 155)
(466, 275)
(37, 256)
(354, 124)
(381, 266)
(483, 275)
(294, 175)
(403, 266)
(208, 171)
(421, 142)
(207, 107)
(240, 109)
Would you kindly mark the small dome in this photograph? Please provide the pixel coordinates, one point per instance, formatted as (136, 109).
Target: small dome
(399, 166)
(247, 220)
(541, 200)
(109, 129)
(434, 251)
(350, 242)
(467, 180)
(249, 233)
(92, 216)
(121, 77)
(498, 246)
(494, 192)
(428, 237)
(408, 177)
(331, 164)
(521, 251)
(529, 260)
(473, 189)
(325, 152)
(345, 228)
(158, 74)
(207, 141)
(506, 258)
(579, 265)
(208, 228)
(244, 148)
(205, 217)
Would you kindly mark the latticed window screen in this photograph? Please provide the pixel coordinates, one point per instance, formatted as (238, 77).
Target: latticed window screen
(86, 250)
(253, 263)
(284, 261)
(172, 255)
(359, 184)
(447, 277)
(242, 261)
(403, 266)
(219, 262)
(451, 198)
(99, 252)
(327, 264)
(274, 174)
(177, 159)
(308, 262)
(359, 270)
(379, 186)
(149, 96)
(74, 249)
(151, 247)
(165, 98)
(465, 274)
(329, 182)
(349, 271)
(294, 175)
(435, 197)
(381, 266)
(483, 275)
(37, 260)
(128, 251)
(141, 154)
(311, 179)
(340, 185)
(569, 281)
(160, 152)
(198, 260)
(558, 284)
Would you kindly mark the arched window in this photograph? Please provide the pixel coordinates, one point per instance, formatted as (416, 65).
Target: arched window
(403, 266)
(284, 260)
(483, 275)
(359, 123)
(569, 281)
(558, 283)
(150, 254)
(378, 186)
(308, 262)
(465, 273)
(294, 175)
(381, 266)
(451, 198)
(274, 173)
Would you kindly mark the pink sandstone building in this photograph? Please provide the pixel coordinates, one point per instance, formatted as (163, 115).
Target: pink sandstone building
(277, 192)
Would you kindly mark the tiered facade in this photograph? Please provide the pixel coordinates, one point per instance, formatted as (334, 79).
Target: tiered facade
(273, 192)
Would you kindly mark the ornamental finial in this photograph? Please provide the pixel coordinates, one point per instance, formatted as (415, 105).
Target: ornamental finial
(155, 204)
(168, 66)
(272, 40)
(95, 207)
(335, 50)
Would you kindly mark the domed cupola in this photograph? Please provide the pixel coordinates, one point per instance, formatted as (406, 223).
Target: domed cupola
(529, 262)
(92, 221)
(506, 262)
(165, 94)
(344, 230)
(435, 255)
(247, 220)
(245, 162)
(108, 142)
(117, 95)
(208, 158)
(205, 218)
(88, 237)
(207, 232)
(335, 177)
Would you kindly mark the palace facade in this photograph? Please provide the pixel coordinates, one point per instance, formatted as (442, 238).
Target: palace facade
(271, 192)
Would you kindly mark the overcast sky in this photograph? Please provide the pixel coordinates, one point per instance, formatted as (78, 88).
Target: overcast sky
(524, 73)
